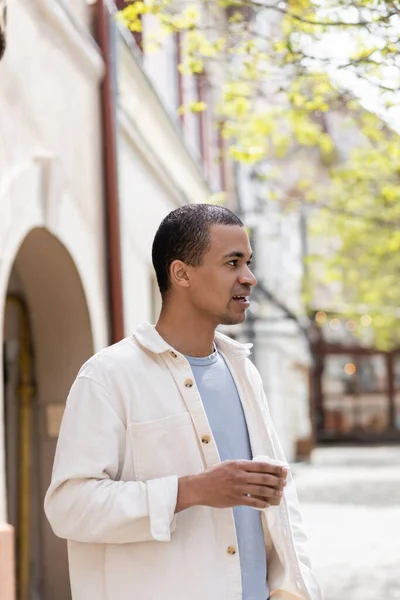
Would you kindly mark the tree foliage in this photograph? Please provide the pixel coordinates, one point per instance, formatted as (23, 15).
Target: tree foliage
(317, 80)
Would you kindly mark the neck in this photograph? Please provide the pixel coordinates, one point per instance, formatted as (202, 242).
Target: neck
(189, 334)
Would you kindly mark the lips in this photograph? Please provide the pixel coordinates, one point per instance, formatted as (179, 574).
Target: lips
(243, 299)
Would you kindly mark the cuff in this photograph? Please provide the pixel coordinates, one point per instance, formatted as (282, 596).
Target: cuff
(162, 497)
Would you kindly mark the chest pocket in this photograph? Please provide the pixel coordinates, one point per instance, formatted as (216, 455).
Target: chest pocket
(164, 447)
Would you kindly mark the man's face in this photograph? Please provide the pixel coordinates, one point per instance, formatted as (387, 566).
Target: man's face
(221, 286)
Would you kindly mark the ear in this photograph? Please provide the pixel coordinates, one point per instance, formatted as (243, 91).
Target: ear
(179, 274)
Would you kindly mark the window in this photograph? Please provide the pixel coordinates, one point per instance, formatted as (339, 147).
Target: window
(355, 391)
(181, 95)
(221, 159)
(203, 95)
(349, 374)
(200, 130)
(191, 120)
(212, 147)
(396, 368)
(372, 373)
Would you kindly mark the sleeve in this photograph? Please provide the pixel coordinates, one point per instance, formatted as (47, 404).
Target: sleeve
(85, 501)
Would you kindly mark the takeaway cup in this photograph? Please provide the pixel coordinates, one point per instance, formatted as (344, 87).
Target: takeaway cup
(271, 461)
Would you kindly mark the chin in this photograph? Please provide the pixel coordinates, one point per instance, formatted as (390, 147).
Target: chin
(232, 320)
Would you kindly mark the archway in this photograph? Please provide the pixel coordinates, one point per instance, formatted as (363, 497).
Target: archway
(47, 337)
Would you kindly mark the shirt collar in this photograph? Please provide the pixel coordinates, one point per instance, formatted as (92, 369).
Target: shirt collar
(148, 337)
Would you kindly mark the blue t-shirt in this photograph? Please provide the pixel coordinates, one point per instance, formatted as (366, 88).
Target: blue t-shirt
(228, 425)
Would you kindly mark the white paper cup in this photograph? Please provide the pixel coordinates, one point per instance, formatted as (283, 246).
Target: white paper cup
(272, 461)
(275, 462)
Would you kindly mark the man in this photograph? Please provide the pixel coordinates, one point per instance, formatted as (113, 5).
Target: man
(154, 485)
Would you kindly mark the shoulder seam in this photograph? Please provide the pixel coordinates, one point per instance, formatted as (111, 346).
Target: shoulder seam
(89, 378)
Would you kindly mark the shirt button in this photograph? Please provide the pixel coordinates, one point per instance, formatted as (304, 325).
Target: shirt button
(188, 383)
(231, 550)
(173, 354)
(206, 439)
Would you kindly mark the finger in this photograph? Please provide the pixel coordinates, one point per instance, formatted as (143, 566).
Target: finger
(253, 466)
(263, 479)
(263, 491)
(254, 502)
(271, 501)
(275, 501)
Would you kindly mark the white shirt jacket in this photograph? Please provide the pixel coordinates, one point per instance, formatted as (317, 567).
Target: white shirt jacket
(134, 423)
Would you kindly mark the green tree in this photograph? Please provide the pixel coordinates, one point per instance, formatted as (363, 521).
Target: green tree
(283, 73)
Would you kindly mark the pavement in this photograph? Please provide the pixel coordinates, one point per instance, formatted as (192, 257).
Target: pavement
(350, 500)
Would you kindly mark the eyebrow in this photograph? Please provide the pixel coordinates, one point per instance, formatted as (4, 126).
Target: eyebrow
(237, 254)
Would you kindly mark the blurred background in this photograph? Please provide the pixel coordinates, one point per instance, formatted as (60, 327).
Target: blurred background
(114, 113)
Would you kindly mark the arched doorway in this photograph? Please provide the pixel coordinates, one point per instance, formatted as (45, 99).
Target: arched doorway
(47, 337)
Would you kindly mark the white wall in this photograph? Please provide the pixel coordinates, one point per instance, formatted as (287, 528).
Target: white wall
(155, 132)
(144, 203)
(50, 152)
(157, 173)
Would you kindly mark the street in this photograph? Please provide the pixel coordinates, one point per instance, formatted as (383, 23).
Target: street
(350, 499)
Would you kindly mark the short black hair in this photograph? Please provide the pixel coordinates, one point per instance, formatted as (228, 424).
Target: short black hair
(184, 235)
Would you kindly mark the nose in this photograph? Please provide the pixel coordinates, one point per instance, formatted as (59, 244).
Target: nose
(247, 277)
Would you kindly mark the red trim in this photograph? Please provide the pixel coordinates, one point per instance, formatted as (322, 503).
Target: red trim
(110, 176)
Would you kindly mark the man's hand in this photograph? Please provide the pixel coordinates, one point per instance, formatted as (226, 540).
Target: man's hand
(233, 483)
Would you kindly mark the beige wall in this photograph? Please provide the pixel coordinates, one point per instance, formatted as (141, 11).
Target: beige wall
(157, 174)
(154, 133)
(50, 151)
(51, 208)
(51, 226)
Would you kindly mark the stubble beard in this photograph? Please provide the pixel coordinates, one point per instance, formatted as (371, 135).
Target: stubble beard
(231, 320)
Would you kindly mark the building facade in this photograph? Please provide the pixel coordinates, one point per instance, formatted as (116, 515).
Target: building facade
(53, 297)
(54, 246)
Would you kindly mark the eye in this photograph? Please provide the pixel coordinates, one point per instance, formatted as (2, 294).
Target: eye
(249, 262)
(233, 263)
